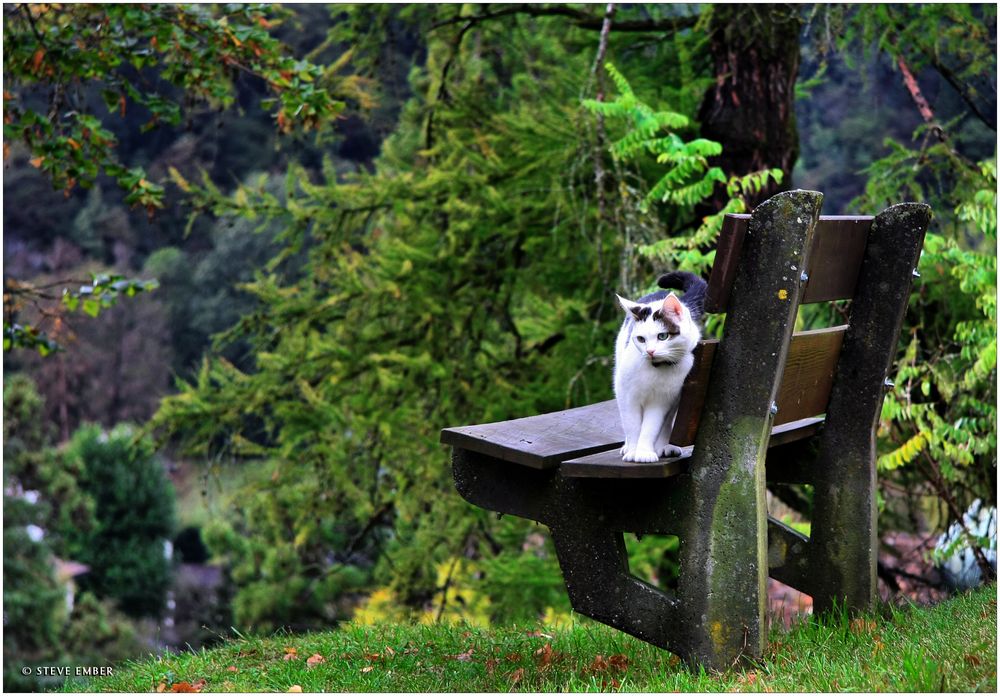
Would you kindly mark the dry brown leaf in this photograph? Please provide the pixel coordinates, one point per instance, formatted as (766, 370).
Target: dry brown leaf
(291, 653)
(598, 665)
(466, 656)
(619, 662)
(544, 655)
(517, 675)
(389, 651)
(232, 668)
(294, 689)
(366, 670)
(184, 687)
(973, 660)
(315, 660)
(491, 665)
(161, 687)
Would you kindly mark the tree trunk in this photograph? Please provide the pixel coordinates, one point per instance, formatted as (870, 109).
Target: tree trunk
(750, 110)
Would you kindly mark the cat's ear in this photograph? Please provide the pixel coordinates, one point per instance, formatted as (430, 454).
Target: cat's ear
(638, 311)
(627, 305)
(672, 307)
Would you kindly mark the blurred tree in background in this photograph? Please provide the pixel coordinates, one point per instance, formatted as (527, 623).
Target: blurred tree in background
(46, 621)
(447, 253)
(133, 519)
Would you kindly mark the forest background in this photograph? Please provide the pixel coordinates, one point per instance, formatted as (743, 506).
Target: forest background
(255, 257)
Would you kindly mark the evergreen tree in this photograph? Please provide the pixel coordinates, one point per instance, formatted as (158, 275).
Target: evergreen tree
(134, 517)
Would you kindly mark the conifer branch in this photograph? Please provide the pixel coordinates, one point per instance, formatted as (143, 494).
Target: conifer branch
(580, 18)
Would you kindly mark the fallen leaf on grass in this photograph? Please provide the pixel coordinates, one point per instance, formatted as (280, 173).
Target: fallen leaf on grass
(517, 675)
(161, 687)
(291, 654)
(464, 657)
(315, 660)
(973, 660)
(366, 670)
(615, 663)
(599, 664)
(187, 687)
(537, 634)
(619, 662)
(491, 664)
(544, 654)
(294, 689)
(232, 668)
(389, 651)
(513, 657)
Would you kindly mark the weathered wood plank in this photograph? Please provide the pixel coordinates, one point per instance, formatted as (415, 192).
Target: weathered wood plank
(543, 441)
(808, 374)
(609, 464)
(804, 390)
(834, 259)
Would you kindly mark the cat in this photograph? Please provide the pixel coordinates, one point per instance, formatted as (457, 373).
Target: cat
(653, 355)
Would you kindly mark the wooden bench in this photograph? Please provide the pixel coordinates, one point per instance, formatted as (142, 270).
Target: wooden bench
(761, 405)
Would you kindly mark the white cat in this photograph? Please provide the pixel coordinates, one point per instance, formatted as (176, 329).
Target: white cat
(653, 355)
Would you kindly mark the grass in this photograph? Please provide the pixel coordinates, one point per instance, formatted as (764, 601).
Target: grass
(948, 647)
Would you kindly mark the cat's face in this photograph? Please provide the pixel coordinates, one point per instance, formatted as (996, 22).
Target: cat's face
(663, 331)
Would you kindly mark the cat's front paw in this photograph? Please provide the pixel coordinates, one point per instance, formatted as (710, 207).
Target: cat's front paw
(671, 451)
(641, 455)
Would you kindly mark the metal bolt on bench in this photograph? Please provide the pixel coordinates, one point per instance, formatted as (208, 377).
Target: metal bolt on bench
(564, 470)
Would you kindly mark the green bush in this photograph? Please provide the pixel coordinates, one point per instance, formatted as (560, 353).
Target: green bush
(134, 509)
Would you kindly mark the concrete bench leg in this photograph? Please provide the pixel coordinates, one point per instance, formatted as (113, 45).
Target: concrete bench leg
(723, 578)
(594, 564)
(844, 541)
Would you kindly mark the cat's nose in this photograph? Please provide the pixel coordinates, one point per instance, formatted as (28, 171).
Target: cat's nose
(651, 353)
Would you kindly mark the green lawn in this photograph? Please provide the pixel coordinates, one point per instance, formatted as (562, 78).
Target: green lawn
(949, 647)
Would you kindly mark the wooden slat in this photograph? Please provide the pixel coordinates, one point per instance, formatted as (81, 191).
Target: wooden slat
(834, 260)
(609, 464)
(808, 376)
(804, 390)
(541, 442)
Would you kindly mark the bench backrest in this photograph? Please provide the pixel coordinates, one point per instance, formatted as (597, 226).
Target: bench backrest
(837, 250)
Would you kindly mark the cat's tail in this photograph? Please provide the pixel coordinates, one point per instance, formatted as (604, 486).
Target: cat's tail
(694, 290)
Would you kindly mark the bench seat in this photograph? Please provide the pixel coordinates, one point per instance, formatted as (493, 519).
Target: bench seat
(584, 442)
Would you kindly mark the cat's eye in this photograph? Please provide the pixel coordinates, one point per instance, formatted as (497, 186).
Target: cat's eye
(640, 339)
(662, 336)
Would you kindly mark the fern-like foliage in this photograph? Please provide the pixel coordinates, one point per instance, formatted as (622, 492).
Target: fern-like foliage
(689, 178)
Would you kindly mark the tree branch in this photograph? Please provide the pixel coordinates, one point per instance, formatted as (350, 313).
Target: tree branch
(911, 85)
(580, 18)
(938, 482)
(958, 86)
(598, 73)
